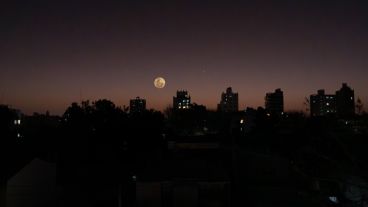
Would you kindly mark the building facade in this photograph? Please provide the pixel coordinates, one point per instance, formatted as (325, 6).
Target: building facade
(274, 102)
(322, 104)
(341, 104)
(182, 100)
(345, 102)
(229, 101)
(137, 105)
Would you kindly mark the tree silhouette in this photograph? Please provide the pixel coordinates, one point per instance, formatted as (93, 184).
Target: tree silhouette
(359, 106)
(306, 104)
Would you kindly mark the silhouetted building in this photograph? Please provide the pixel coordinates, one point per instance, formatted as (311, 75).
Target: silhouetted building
(274, 102)
(182, 100)
(229, 101)
(137, 105)
(322, 104)
(345, 102)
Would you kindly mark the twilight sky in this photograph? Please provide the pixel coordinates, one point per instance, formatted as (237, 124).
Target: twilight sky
(52, 54)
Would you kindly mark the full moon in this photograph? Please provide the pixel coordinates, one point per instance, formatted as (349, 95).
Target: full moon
(159, 82)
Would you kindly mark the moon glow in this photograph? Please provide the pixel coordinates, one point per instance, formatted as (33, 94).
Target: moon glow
(159, 82)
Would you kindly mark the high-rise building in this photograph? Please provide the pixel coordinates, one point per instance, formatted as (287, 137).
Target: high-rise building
(274, 102)
(322, 104)
(229, 101)
(342, 103)
(182, 100)
(345, 102)
(137, 105)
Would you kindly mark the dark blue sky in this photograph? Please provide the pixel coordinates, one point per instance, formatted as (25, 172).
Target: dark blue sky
(55, 53)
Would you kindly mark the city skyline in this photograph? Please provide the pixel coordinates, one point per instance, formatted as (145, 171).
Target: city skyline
(187, 95)
(54, 54)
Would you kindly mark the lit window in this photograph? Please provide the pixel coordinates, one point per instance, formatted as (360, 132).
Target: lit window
(327, 104)
(241, 121)
(18, 135)
(351, 98)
